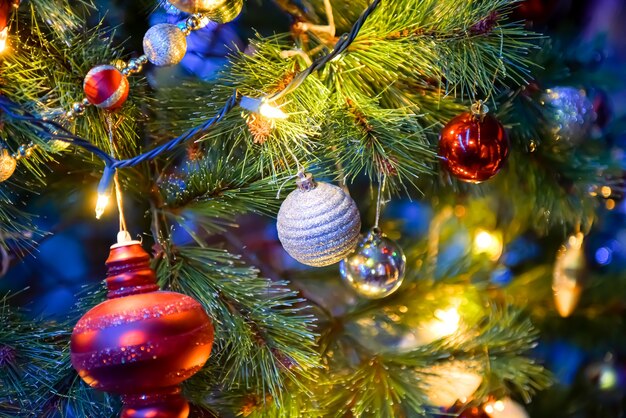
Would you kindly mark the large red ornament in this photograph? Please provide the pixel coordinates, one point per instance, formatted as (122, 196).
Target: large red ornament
(106, 87)
(473, 147)
(141, 343)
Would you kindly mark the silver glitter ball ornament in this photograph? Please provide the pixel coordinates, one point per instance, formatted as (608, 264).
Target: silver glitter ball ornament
(572, 113)
(165, 44)
(376, 268)
(220, 11)
(318, 223)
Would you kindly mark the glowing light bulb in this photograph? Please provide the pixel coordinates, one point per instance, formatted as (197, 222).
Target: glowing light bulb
(4, 34)
(272, 112)
(444, 384)
(447, 322)
(489, 243)
(262, 107)
(505, 408)
(103, 202)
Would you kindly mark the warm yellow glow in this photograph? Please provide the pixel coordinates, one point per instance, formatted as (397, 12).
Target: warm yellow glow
(566, 298)
(606, 191)
(103, 202)
(610, 204)
(505, 408)
(567, 275)
(4, 34)
(447, 322)
(446, 383)
(271, 112)
(489, 243)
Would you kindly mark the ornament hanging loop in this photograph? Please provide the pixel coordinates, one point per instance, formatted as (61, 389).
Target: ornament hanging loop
(382, 179)
(305, 181)
(479, 109)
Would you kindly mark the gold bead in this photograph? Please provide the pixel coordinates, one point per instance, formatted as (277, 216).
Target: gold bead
(7, 165)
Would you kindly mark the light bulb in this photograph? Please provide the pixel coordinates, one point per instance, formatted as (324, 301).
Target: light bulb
(272, 112)
(447, 322)
(262, 107)
(489, 243)
(505, 408)
(446, 383)
(103, 202)
(4, 34)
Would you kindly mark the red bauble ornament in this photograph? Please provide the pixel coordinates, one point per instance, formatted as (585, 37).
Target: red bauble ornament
(106, 87)
(473, 146)
(141, 343)
(5, 15)
(5, 11)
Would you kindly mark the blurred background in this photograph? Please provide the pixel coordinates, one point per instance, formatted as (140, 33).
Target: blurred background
(592, 37)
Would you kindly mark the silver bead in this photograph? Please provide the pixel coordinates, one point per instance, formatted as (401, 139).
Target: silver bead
(85, 102)
(165, 44)
(196, 21)
(376, 268)
(78, 108)
(318, 224)
(135, 66)
(572, 113)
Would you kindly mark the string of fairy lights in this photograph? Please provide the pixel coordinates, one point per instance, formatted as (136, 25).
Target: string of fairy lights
(107, 87)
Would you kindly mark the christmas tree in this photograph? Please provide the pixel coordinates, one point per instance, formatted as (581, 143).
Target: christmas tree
(395, 208)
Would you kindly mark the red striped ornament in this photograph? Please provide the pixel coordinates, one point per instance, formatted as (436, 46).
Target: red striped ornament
(106, 87)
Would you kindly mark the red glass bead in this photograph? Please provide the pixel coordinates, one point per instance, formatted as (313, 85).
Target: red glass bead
(141, 343)
(473, 149)
(474, 412)
(106, 87)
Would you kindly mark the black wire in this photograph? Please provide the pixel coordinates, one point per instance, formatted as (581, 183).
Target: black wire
(54, 130)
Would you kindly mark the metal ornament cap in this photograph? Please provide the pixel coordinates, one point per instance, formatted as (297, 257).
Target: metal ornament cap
(376, 268)
(318, 223)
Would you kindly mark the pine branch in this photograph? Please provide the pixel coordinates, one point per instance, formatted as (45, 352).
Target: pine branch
(263, 336)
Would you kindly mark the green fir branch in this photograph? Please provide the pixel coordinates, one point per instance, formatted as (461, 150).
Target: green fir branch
(263, 333)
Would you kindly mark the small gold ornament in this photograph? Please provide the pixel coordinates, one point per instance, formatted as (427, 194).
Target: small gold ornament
(569, 270)
(220, 11)
(7, 165)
